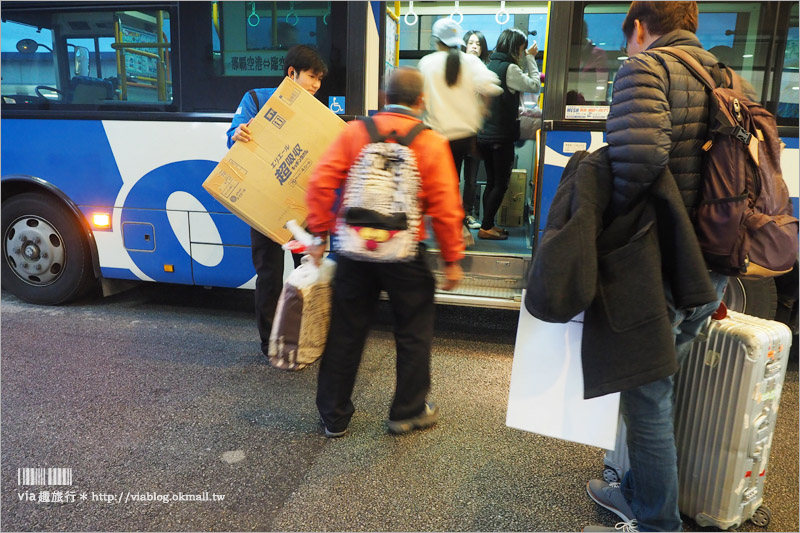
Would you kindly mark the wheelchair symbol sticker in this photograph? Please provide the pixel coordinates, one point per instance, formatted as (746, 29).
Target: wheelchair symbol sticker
(336, 104)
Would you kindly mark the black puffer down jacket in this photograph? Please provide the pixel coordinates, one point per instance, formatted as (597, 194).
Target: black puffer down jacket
(658, 116)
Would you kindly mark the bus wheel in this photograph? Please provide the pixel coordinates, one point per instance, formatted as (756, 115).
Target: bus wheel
(46, 258)
(754, 297)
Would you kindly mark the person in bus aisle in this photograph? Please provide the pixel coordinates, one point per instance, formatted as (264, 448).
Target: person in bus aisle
(452, 79)
(304, 65)
(409, 285)
(658, 118)
(476, 45)
(516, 67)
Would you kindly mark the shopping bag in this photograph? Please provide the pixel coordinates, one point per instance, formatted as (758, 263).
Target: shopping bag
(546, 391)
(302, 318)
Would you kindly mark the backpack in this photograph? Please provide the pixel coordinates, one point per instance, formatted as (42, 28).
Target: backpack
(380, 216)
(743, 222)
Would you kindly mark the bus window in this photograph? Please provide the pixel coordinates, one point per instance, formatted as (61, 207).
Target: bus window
(418, 36)
(28, 62)
(251, 38)
(732, 32)
(86, 58)
(789, 80)
(415, 39)
(595, 57)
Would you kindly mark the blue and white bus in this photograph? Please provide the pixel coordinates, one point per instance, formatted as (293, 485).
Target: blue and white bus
(113, 114)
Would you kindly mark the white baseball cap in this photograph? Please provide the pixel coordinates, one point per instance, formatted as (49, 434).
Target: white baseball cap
(448, 31)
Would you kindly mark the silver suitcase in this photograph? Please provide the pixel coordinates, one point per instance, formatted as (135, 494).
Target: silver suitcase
(727, 396)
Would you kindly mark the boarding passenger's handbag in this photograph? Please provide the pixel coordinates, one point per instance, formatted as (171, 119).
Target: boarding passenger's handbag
(530, 116)
(302, 318)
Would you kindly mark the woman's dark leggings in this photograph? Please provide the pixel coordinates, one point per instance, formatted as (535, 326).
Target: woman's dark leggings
(471, 164)
(498, 157)
(462, 150)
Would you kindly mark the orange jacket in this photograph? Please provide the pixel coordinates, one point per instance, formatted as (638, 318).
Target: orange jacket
(438, 196)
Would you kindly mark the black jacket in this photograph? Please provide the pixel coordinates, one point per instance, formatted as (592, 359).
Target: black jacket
(658, 118)
(502, 122)
(614, 268)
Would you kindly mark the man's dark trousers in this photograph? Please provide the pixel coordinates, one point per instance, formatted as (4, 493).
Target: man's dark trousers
(268, 258)
(356, 292)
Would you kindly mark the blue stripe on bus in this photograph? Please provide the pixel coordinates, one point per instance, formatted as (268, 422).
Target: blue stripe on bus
(54, 150)
(551, 176)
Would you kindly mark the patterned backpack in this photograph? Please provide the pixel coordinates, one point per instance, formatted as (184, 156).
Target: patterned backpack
(380, 216)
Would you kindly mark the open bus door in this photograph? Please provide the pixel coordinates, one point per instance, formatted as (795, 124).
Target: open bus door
(494, 271)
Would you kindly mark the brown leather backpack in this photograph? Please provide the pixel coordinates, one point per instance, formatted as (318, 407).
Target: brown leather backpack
(743, 221)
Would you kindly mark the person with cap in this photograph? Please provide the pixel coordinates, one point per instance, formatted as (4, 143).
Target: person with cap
(452, 79)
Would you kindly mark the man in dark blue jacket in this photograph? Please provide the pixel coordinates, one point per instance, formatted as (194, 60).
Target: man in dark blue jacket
(306, 67)
(658, 118)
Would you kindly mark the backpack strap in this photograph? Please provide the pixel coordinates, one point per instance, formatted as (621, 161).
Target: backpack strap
(372, 130)
(405, 140)
(725, 126)
(254, 96)
(409, 137)
(692, 64)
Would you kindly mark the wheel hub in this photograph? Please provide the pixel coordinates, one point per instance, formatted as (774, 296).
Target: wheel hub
(31, 252)
(34, 250)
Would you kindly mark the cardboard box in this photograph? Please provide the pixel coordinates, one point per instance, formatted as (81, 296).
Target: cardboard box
(264, 181)
(513, 207)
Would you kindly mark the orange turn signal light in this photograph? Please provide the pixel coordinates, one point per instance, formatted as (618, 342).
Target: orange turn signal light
(101, 220)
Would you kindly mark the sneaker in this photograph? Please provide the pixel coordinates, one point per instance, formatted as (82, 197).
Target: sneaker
(472, 222)
(332, 434)
(620, 526)
(427, 417)
(491, 235)
(609, 495)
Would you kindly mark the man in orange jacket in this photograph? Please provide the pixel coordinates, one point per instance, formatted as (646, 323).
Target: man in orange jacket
(410, 285)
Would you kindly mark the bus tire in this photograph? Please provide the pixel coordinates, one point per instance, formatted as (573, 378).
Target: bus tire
(46, 256)
(754, 297)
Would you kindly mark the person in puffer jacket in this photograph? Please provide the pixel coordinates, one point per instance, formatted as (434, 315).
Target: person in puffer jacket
(658, 118)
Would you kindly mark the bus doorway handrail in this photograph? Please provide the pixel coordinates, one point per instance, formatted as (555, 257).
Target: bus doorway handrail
(121, 48)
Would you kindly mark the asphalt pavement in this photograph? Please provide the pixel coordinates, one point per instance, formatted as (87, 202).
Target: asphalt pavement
(168, 418)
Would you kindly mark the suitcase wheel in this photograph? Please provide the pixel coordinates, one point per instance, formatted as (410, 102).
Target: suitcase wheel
(762, 516)
(610, 476)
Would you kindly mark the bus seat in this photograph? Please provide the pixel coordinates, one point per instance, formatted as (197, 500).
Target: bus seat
(88, 90)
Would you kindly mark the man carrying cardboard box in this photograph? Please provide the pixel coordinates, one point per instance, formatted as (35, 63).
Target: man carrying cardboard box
(305, 66)
(405, 276)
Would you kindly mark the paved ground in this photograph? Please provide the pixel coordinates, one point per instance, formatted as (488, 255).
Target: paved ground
(159, 391)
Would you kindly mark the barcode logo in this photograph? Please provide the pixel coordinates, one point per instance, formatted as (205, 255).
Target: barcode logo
(44, 476)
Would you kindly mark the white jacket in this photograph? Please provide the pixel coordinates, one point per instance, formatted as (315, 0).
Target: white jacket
(456, 112)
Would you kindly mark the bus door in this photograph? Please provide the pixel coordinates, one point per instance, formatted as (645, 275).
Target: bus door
(493, 270)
